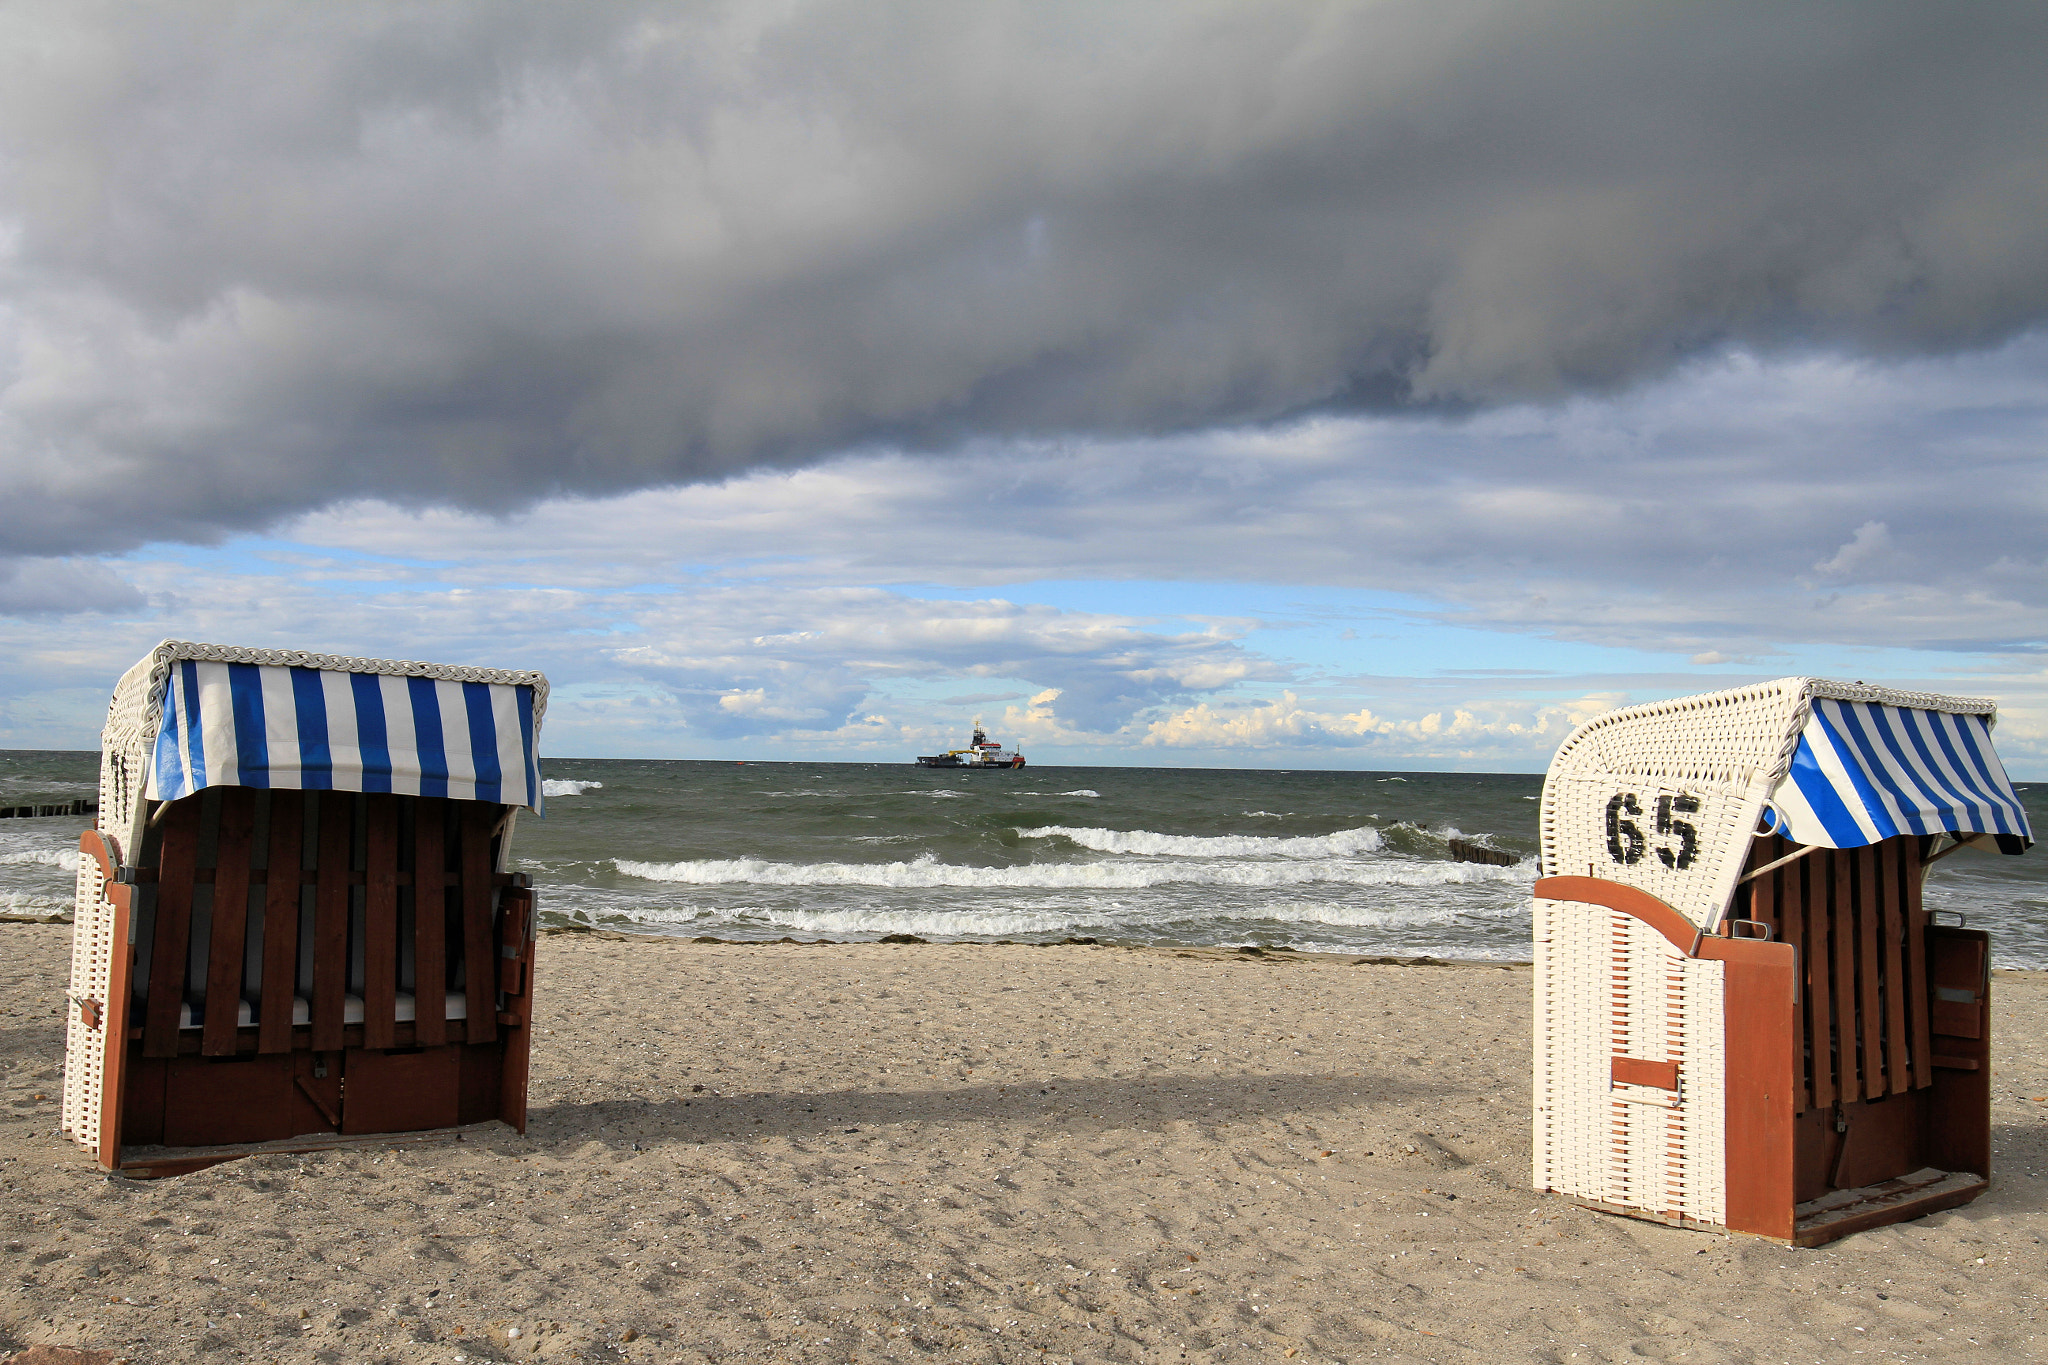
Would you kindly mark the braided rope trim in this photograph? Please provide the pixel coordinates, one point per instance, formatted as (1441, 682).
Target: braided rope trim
(136, 709)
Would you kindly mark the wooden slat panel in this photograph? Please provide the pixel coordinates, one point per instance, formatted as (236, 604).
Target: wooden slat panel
(479, 945)
(380, 925)
(430, 920)
(230, 921)
(1792, 930)
(1916, 968)
(281, 921)
(1898, 1071)
(1820, 996)
(1869, 922)
(330, 920)
(1842, 913)
(173, 935)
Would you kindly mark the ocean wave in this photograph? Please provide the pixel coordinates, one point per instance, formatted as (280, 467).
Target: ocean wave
(943, 923)
(66, 858)
(1083, 792)
(1343, 843)
(566, 786)
(943, 795)
(27, 902)
(928, 872)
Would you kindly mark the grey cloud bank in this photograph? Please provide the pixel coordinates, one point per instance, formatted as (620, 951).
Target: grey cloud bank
(258, 258)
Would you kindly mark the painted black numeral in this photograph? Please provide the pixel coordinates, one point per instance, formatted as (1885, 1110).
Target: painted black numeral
(1688, 837)
(1624, 837)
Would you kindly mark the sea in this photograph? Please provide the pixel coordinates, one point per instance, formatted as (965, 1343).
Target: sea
(1315, 861)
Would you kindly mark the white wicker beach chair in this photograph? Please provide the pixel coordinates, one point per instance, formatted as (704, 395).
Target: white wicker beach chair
(295, 915)
(1745, 1017)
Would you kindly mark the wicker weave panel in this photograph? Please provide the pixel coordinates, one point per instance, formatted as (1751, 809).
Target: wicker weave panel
(1719, 754)
(92, 956)
(1608, 985)
(1727, 751)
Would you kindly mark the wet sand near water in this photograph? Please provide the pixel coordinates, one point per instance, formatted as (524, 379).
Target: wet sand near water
(979, 1153)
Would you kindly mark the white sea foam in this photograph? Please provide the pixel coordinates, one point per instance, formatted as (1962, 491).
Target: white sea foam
(928, 872)
(28, 903)
(937, 922)
(1344, 843)
(66, 858)
(566, 786)
(943, 795)
(1265, 815)
(1083, 792)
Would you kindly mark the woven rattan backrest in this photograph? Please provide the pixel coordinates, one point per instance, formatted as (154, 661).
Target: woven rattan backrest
(1664, 797)
(1667, 796)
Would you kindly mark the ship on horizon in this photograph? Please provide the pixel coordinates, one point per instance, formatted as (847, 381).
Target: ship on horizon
(982, 754)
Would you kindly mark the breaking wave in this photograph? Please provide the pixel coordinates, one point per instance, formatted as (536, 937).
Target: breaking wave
(928, 872)
(66, 858)
(1344, 843)
(566, 786)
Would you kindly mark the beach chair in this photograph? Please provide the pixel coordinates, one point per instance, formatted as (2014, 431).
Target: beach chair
(1746, 1019)
(295, 921)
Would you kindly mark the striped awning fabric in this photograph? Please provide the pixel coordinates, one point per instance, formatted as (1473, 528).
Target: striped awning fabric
(314, 729)
(1863, 773)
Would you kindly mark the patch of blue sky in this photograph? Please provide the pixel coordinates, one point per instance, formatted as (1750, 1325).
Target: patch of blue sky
(1337, 631)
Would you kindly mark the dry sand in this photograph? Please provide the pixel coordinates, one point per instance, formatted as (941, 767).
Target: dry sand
(932, 1153)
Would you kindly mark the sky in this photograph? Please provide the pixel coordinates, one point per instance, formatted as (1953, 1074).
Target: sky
(1377, 385)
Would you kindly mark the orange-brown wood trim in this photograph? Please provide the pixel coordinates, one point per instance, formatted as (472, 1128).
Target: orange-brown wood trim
(94, 845)
(1759, 995)
(1627, 899)
(114, 1023)
(1641, 1071)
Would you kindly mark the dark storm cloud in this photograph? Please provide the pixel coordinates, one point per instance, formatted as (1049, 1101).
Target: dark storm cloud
(256, 258)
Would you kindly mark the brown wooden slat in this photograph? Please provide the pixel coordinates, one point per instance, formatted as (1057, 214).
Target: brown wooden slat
(479, 945)
(430, 920)
(1820, 996)
(1792, 929)
(330, 920)
(1916, 968)
(1842, 914)
(281, 923)
(380, 925)
(1869, 924)
(1898, 1071)
(172, 939)
(230, 921)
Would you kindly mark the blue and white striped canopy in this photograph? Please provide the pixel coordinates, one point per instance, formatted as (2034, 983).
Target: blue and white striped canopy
(1864, 773)
(312, 729)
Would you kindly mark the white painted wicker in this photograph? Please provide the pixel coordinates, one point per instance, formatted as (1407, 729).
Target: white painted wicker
(1609, 985)
(1707, 763)
(126, 745)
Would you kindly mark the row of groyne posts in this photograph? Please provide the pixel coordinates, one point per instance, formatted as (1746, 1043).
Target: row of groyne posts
(78, 807)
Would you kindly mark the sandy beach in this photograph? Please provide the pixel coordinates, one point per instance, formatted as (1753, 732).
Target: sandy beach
(979, 1153)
